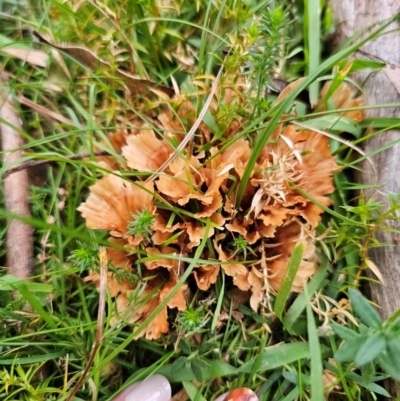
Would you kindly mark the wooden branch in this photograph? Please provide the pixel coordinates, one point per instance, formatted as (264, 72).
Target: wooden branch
(16, 192)
(353, 16)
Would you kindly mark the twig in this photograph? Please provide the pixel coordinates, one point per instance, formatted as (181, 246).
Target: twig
(16, 192)
(100, 320)
(192, 131)
(35, 163)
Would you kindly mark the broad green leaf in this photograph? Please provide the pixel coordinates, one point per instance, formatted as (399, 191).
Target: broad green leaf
(374, 345)
(197, 371)
(393, 349)
(364, 310)
(290, 274)
(389, 365)
(178, 365)
(335, 123)
(280, 355)
(207, 346)
(344, 332)
(201, 363)
(293, 377)
(350, 349)
(368, 371)
(185, 347)
(369, 386)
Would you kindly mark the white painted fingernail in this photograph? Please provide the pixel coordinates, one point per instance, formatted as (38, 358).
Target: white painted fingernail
(221, 397)
(155, 388)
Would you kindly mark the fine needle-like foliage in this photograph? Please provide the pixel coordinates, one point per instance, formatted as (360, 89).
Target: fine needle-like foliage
(229, 260)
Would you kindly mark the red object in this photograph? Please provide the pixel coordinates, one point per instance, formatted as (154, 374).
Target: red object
(241, 394)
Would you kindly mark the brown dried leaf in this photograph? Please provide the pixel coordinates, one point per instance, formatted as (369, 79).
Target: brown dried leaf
(289, 89)
(34, 57)
(89, 59)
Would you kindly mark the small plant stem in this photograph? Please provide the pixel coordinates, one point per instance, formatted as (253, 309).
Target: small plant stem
(100, 321)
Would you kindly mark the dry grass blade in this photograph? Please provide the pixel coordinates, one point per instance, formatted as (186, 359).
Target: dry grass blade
(16, 192)
(335, 138)
(100, 319)
(48, 114)
(89, 59)
(192, 131)
(34, 57)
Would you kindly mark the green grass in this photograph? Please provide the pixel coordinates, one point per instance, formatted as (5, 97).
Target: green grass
(218, 343)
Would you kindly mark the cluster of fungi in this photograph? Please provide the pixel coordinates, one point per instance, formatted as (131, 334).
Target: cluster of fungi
(157, 225)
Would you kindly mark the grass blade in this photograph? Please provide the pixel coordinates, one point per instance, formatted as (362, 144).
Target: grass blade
(317, 388)
(312, 36)
(288, 278)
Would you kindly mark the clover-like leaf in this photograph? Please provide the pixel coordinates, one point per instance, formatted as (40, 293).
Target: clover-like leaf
(371, 348)
(364, 309)
(350, 349)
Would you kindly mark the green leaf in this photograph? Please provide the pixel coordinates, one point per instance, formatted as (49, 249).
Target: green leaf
(300, 303)
(185, 347)
(358, 65)
(364, 310)
(335, 123)
(192, 391)
(201, 363)
(374, 345)
(317, 387)
(350, 349)
(344, 332)
(23, 288)
(276, 356)
(389, 365)
(197, 371)
(393, 348)
(7, 283)
(293, 377)
(271, 358)
(288, 278)
(178, 365)
(368, 371)
(338, 79)
(208, 346)
(312, 35)
(369, 386)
